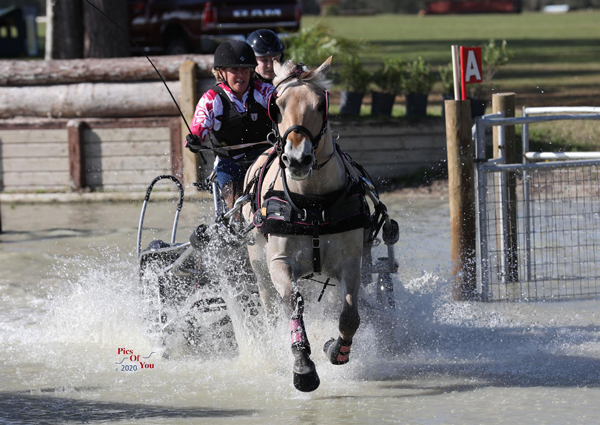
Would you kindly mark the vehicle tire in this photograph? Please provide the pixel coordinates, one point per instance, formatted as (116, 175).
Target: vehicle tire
(177, 46)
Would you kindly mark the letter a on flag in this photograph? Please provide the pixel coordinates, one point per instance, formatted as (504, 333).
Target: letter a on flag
(472, 75)
(470, 67)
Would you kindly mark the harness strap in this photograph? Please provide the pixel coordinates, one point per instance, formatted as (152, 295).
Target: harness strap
(316, 245)
(317, 166)
(286, 210)
(288, 198)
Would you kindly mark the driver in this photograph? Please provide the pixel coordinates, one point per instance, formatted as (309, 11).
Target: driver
(233, 113)
(267, 47)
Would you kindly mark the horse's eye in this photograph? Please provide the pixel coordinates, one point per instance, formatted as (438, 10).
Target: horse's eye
(320, 107)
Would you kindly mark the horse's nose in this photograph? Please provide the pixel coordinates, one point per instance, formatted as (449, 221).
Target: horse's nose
(294, 163)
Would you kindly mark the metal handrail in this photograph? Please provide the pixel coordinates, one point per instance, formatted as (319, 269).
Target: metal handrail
(557, 156)
(536, 165)
(145, 204)
(492, 121)
(535, 110)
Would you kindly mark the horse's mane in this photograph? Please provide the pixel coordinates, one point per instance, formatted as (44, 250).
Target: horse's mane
(307, 75)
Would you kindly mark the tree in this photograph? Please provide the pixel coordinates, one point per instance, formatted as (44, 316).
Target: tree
(76, 29)
(64, 29)
(102, 38)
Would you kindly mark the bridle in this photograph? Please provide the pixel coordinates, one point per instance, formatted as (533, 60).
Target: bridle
(273, 111)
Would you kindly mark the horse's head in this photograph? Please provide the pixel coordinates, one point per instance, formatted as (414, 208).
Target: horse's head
(301, 112)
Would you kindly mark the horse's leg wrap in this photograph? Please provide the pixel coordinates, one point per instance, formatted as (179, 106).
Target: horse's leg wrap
(338, 352)
(305, 374)
(298, 334)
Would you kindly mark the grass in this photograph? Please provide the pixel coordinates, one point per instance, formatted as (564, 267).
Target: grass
(563, 136)
(556, 56)
(556, 60)
(537, 37)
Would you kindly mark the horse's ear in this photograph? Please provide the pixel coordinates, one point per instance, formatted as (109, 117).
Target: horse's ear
(276, 66)
(324, 68)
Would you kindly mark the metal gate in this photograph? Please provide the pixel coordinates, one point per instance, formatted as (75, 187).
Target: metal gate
(538, 223)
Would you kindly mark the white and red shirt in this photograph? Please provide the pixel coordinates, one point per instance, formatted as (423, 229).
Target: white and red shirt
(210, 106)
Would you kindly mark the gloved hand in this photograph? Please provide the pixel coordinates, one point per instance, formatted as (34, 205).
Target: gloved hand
(193, 143)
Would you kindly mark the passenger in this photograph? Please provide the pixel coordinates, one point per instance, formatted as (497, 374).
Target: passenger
(267, 47)
(232, 113)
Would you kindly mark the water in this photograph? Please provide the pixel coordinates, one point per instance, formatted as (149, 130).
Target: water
(69, 302)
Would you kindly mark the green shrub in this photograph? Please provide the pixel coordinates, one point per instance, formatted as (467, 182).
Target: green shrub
(353, 76)
(333, 10)
(388, 78)
(492, 57)
(313, 44)
(447, 79)
(417, 78)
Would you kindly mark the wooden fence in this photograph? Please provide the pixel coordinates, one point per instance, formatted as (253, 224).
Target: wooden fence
(106, 125)
(99, 154)
(125, 154)
(390, 150)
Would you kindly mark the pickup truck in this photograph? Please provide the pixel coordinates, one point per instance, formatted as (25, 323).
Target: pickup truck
(185, 26)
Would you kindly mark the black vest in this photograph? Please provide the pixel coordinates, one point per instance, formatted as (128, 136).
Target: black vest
(249, 127)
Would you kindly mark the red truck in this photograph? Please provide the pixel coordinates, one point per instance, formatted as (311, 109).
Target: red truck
(184, 26)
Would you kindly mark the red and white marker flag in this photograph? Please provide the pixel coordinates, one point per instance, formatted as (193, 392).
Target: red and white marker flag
(470, 67)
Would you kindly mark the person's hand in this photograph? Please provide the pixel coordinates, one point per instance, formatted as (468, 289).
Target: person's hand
(193, 143)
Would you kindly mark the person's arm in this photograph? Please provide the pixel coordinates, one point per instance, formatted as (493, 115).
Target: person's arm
(262, 93)
(202, 122)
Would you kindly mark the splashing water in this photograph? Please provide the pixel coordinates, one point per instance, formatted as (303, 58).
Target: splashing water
(69, 303)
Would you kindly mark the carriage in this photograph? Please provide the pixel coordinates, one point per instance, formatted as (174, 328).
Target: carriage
(304, 196)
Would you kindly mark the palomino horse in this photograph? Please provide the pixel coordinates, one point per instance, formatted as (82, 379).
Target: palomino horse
(306, 166)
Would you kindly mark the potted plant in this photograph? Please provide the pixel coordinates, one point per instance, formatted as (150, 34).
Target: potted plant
(388, 82)
(492, 58)
(479, 97)
(416, 85)
(354, 81)
(447, 79)
(313, 44)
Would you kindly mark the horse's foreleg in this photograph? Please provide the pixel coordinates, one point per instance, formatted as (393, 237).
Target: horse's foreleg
(305, 373)
(338, 351)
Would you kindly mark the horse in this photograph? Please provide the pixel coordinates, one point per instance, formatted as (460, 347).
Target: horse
(307, 187)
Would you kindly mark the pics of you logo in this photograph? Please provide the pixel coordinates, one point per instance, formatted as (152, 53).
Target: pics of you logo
(132, 362)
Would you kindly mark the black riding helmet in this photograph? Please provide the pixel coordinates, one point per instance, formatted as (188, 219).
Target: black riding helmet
(234, 54)
(265, 43)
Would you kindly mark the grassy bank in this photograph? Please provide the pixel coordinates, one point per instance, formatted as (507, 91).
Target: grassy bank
(556, 56)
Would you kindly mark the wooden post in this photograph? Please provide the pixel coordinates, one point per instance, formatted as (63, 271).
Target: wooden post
(75, 136)
(459, 145)
(187, 102)
(505, 102)
(176, 147)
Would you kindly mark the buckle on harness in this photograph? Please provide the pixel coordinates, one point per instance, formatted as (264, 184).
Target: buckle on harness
(316, 243)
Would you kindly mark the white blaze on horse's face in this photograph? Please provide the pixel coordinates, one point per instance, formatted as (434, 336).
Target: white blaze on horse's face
(298, 156)
(301, 104)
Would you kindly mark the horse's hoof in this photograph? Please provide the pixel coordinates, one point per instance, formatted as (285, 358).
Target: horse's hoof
(307, 382)
(306, 378)
(338, 352)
